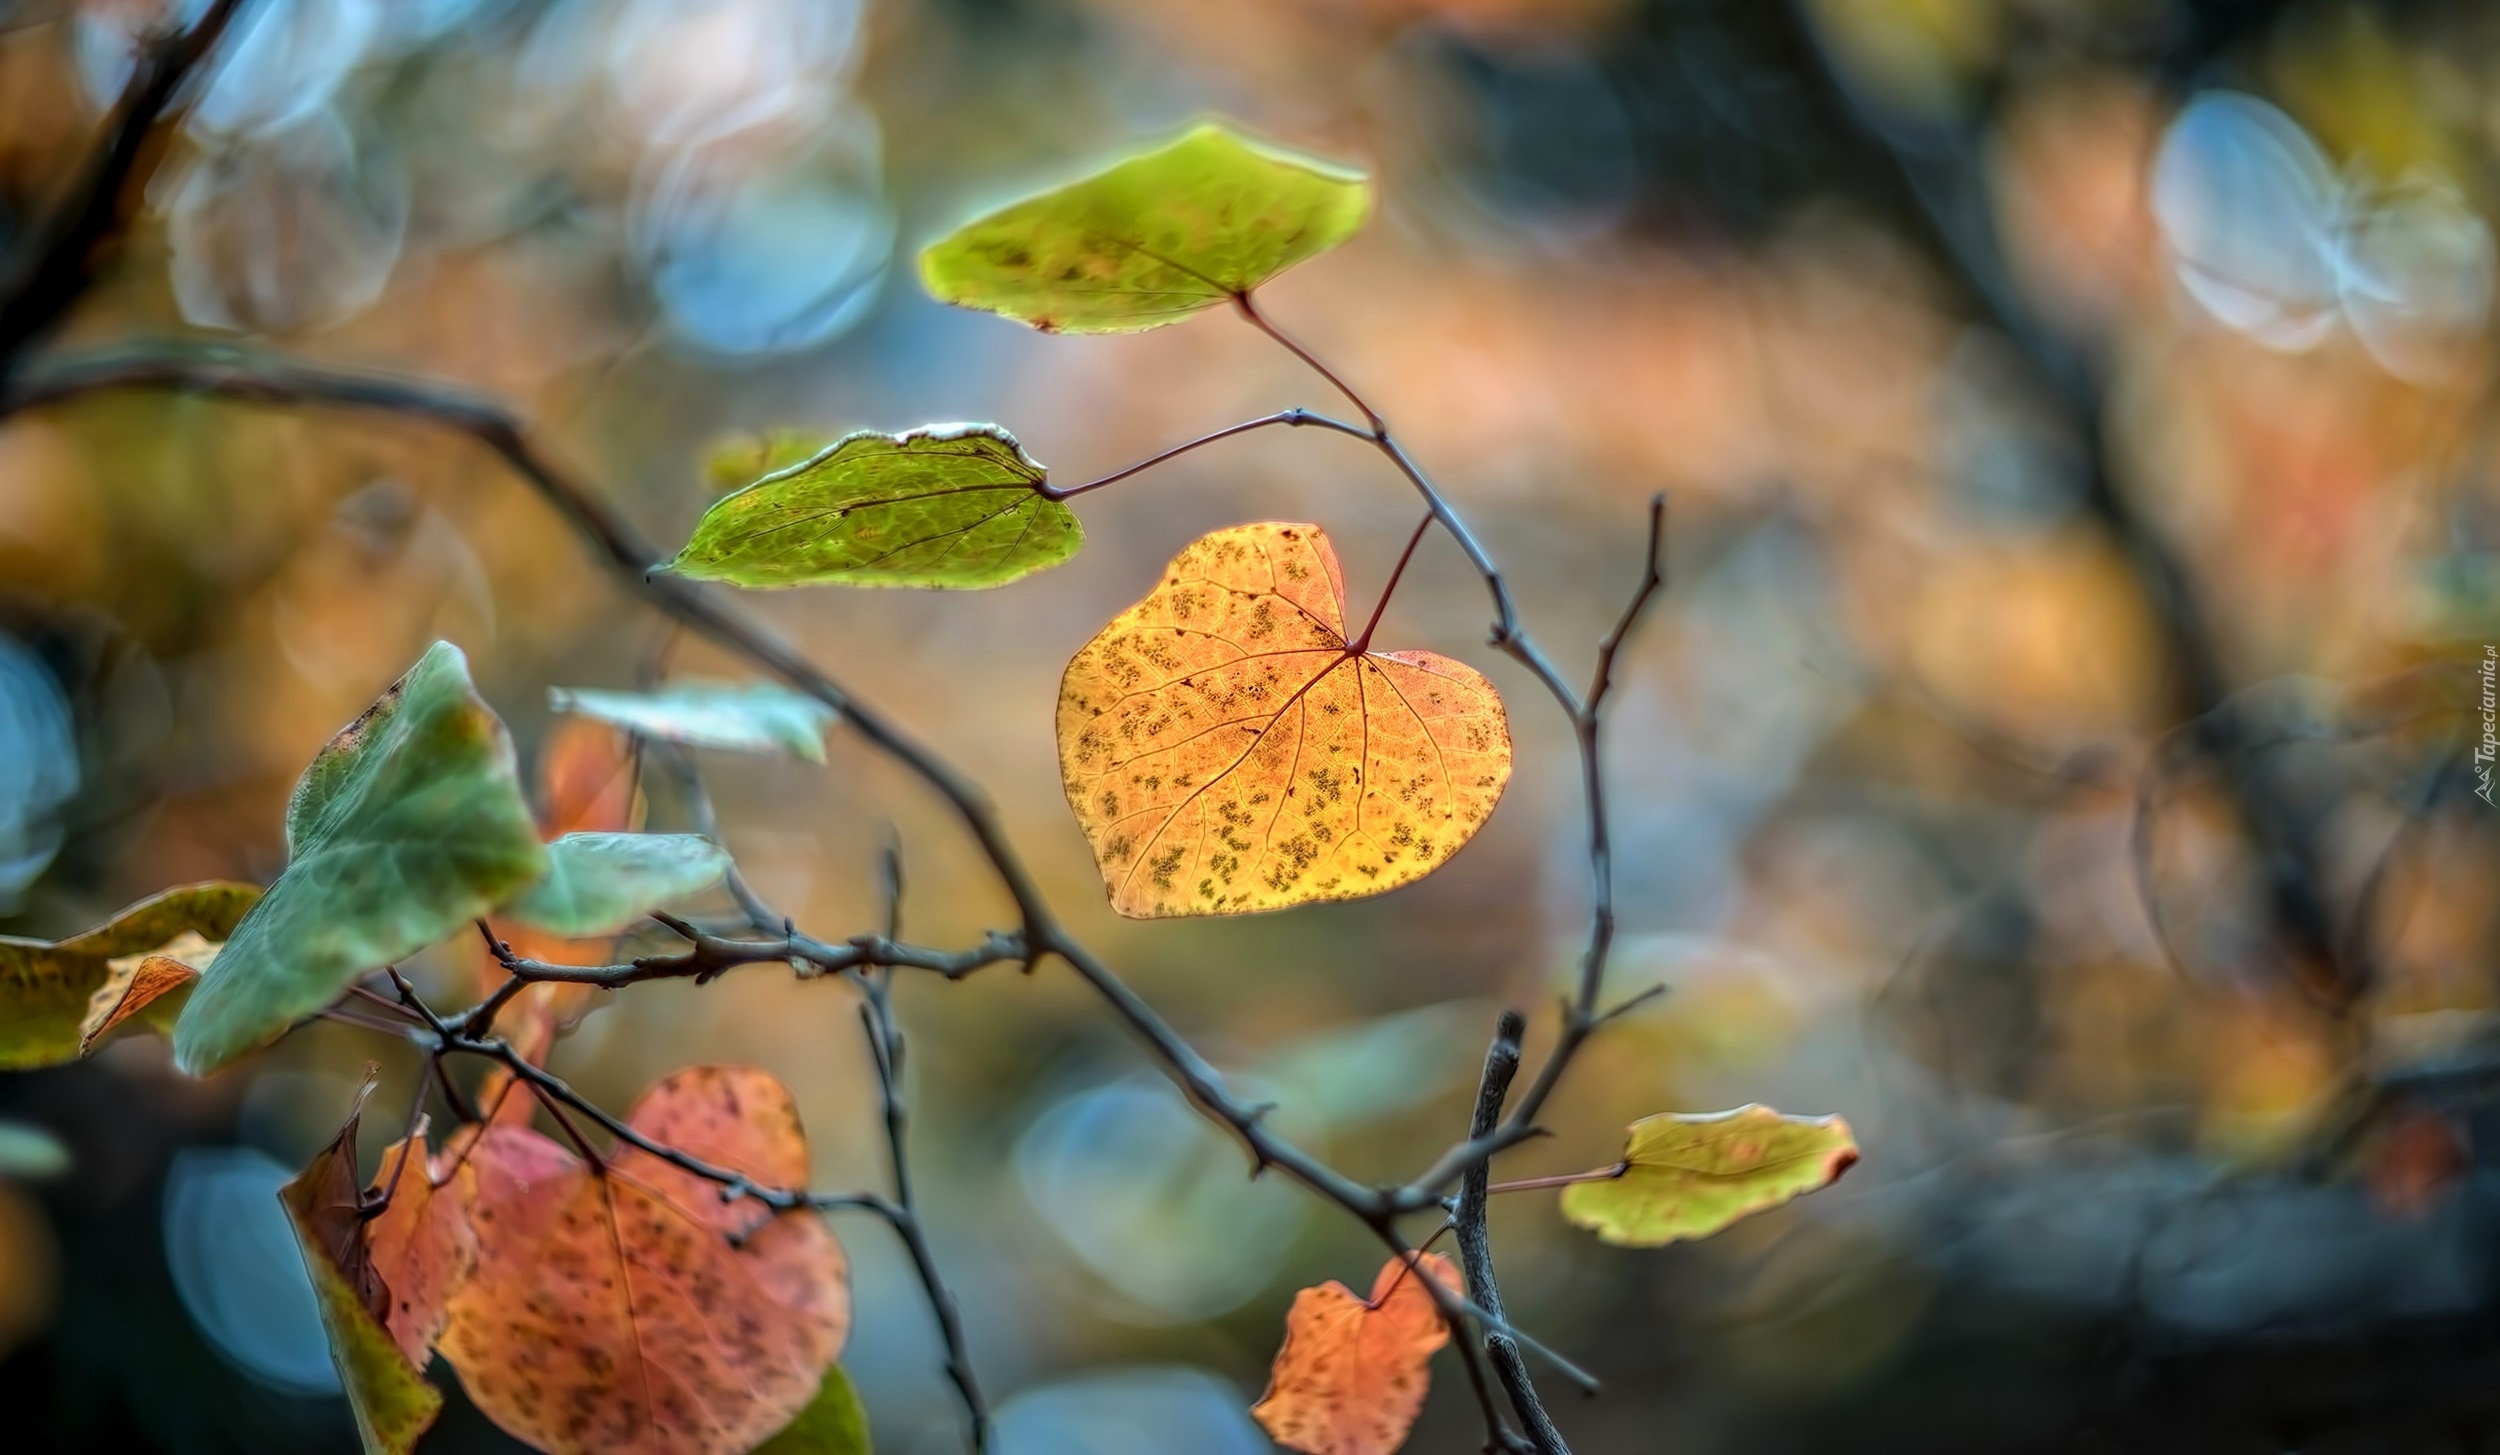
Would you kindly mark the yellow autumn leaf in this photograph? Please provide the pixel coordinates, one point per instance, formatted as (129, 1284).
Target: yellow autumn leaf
(1227, 750)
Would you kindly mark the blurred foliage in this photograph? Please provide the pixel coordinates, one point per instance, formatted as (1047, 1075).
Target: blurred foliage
(2055, 750)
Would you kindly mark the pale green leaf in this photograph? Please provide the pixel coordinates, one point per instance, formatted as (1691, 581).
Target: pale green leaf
(46, 987)
(1153, 239)
(756, 717)
(597, 884)
(1690, 1176)
(409, 824)
(832, 1424)
(29, 1152)
(949, 506)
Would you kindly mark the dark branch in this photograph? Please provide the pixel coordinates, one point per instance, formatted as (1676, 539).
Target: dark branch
(68, 248)
(1475, 1242)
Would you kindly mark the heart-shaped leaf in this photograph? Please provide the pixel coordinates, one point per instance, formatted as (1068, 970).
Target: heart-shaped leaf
(1687, 1176)
(755, 717)
(1353, 1372)
(597, 884)
(1151, 240)
(47, 987)
(950, 505)
(629, 1310)
(832, 1424)
(1226, 750)
(407, 825)
(386, 1389)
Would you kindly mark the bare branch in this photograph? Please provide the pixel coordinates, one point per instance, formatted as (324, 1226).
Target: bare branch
(68, 249)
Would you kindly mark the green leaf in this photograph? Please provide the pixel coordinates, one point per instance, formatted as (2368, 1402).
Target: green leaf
(832, 1424)
(389, 1397)
(1689, 1176)
(1152, 240)
(758, 717)
(597, 884)
(409, 824)
(946, 505)
(30, 1153)
(46, 986)
(742, 461)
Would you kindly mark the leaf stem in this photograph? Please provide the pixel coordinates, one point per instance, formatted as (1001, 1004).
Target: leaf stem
(1564, 1179)
(1363, 643)
(1295, 418)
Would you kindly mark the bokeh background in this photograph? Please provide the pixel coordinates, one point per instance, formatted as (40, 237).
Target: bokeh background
(2053, 751)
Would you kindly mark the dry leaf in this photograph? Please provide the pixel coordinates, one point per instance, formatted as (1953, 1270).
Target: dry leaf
(386, 1389)
(1352, 1374)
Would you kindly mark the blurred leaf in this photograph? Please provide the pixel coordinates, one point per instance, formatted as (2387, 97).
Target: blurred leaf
(632, 1311)
(1227, 751)
(386, 1391)
(832, 1424)
(1379, 1067)
(758, 717)
(1352, 1374)
(1152, 240)
(46, 987)
(1688, 1176)
(406, 826)
(586, 773)
(948, 506)
(30, 1153)
(745, 460)
(597, 884)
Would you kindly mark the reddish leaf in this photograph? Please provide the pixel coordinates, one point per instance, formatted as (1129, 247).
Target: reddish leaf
(629, 1310)
(1351, 1377)
(421, 1244)
(585, 780)
(2412, 1163)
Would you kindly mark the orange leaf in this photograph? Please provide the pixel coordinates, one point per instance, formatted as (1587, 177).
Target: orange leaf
(1226, 750)
(1351, 1377)
(125, 996)
(421, 1245)
(611, 1310)
(585, 780)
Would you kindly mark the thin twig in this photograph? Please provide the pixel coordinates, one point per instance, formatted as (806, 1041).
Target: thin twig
(1295, 418)
(885, 1046)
